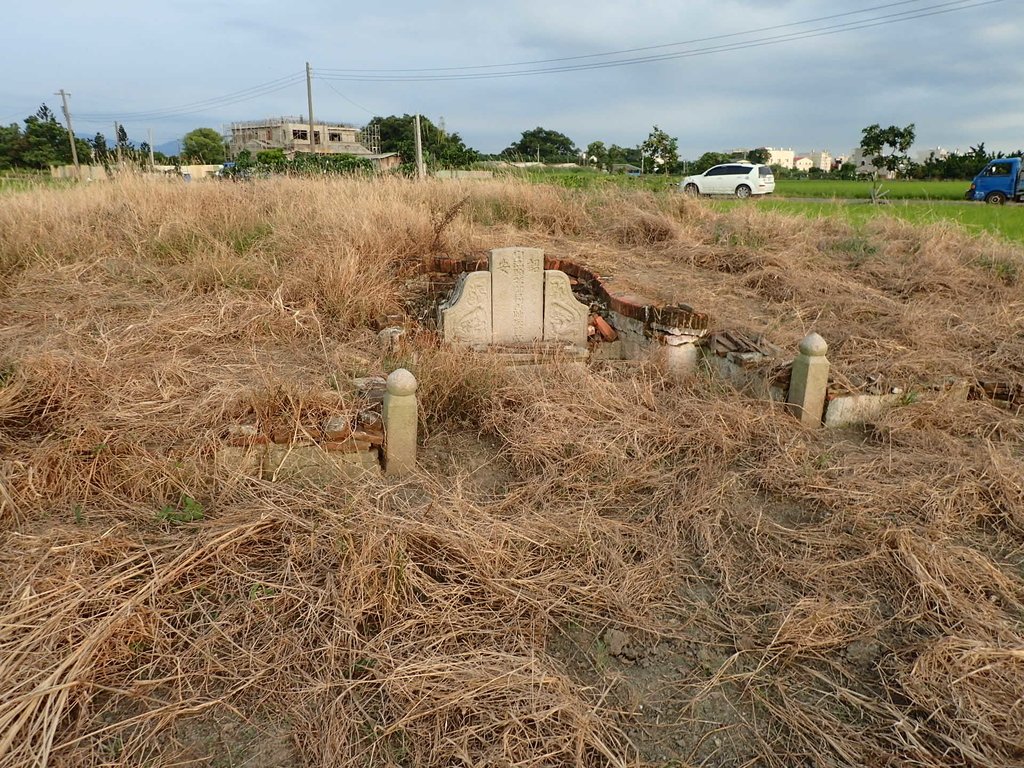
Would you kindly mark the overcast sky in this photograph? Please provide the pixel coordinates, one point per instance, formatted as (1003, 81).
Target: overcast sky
(959, 76)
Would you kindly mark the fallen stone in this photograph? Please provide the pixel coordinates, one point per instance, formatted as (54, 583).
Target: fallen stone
(616, 641)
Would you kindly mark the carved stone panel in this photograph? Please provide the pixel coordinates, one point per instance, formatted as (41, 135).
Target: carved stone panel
(466, 318)
(565, 318)
(517, 294)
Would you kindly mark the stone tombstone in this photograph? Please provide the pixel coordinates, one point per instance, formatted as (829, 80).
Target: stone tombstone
(517, 295)
(466, 317)
(565, 318)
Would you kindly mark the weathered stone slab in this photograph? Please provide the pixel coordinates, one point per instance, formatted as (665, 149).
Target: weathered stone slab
(517, 295)
(311, 465)
(565, 318)
(466, 318)
(857, 409)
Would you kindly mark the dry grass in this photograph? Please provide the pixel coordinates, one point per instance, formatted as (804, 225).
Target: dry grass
(817, 598)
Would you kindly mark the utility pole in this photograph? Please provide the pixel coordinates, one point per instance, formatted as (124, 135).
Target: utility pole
(421, 172)
(152, 163)
(71, 132)
(309, 98)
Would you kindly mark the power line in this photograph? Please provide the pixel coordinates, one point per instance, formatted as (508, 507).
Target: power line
(634, 50)
(246, 94)
(476, 72)
(933, 10)
(346, 98)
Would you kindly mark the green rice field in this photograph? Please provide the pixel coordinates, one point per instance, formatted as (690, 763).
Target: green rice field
(1006, 221)
(895, 190)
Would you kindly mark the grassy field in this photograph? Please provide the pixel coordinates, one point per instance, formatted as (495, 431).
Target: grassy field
(1002, 221)
(895, 190)
(599, 566)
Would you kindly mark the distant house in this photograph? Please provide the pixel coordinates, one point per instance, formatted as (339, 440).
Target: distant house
(802, 163)
(631, 170)
(291, 135)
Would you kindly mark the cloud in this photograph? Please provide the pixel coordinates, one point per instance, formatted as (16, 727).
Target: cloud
(945, 73)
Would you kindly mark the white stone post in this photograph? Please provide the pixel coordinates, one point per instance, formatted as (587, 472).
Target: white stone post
(401, 418)
(809, 380)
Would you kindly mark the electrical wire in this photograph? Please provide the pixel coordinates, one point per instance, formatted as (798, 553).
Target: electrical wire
(246, 94)
(476, 72)
(933, 10)
(346, 98)
(635, 50)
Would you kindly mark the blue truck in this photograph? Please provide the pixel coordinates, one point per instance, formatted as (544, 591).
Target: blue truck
(999, 181)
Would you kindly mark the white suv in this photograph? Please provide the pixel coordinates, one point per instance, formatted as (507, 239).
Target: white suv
(742, 179)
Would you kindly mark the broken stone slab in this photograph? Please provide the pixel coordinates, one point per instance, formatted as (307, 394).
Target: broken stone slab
(517, 294)
(236, 462)
(313, 465)
(466, 317)
(851, 410)
(565, 318)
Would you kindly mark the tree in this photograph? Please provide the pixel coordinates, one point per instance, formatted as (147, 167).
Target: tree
(663, 149)
(708, 160)
(619, 155)
(547, 145)
(204, 145)
(10, 143)
(99, 148)
(597, 153)
(761, 155)
(44, 142)
(440, 149)
(887, 147)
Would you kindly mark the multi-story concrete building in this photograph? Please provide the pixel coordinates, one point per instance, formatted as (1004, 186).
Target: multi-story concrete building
(781, 157)
(291, 135)
(822, 159)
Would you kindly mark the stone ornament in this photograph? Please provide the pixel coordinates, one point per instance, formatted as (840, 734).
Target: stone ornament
(565, 318)
(466, 317)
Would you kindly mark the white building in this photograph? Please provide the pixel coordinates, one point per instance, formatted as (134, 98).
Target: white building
(822, 159)
(781, 157)
(802, 163)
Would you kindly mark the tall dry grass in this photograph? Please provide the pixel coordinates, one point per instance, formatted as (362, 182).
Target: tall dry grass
(792, 597)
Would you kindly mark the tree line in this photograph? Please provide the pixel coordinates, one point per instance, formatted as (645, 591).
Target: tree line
(43, 141)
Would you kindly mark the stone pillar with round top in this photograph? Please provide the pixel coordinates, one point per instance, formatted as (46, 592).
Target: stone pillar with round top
(401, 419)
(808, 382)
